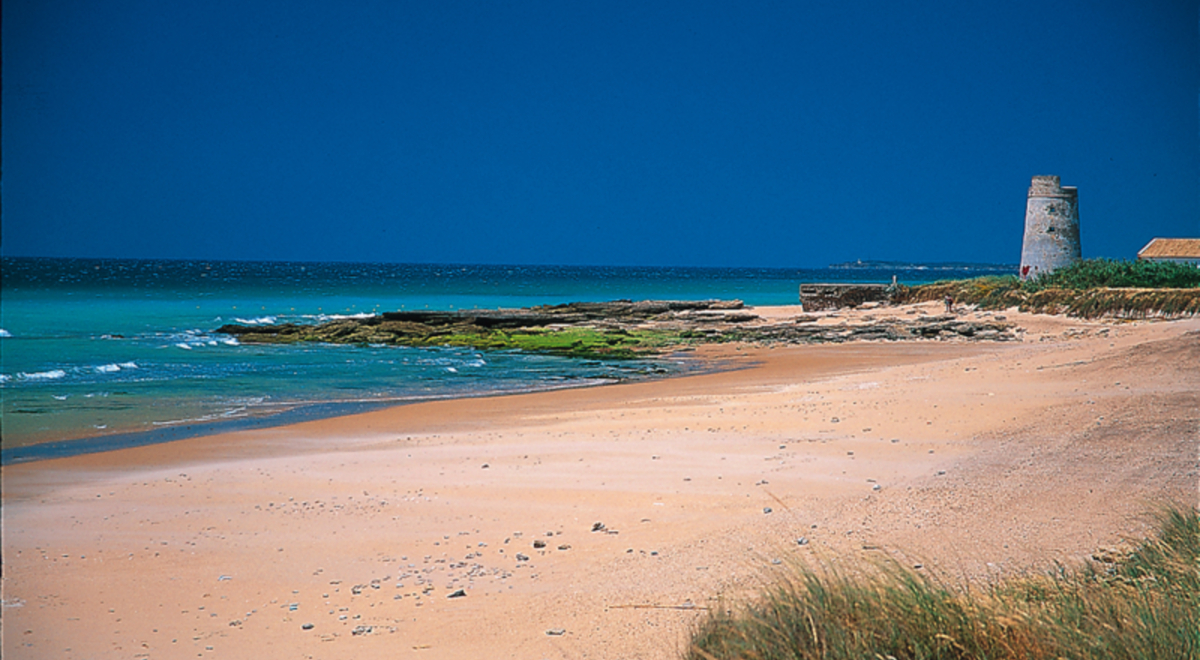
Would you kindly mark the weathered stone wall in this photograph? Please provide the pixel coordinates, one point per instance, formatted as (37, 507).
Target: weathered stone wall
(816, 297)
(1051, 227)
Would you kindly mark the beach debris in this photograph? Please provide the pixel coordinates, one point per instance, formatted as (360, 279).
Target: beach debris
(556, 632)
(598, 527)
(457, 593)
(362, 630)
(224, 577)
(876, 487)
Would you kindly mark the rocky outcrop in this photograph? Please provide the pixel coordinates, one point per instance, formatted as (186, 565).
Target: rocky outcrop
(933, 327)
(621, 312)
(620, 328)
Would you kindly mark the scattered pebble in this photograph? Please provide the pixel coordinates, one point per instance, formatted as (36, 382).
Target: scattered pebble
(539, 543)
(307, 626)
(802, 541)
(598, 527)
(457, 593)
(766, 509)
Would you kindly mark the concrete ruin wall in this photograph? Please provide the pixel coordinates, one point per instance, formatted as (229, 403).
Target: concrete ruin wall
(817, 297)
(1051, 227)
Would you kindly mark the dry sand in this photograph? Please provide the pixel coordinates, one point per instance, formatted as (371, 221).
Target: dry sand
(976, 460)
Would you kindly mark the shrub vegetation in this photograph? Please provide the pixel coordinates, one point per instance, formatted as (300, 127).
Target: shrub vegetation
(1143, 605)
(1096, 273)
(1088, 289)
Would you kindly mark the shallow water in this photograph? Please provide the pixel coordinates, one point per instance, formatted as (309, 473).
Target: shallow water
(126, 348)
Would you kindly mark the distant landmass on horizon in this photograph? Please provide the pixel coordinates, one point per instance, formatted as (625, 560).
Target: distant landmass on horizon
(911, 265)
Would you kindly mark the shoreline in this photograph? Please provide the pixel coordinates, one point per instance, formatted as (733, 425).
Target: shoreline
(296, 414)
(974, 459)
(694, 364)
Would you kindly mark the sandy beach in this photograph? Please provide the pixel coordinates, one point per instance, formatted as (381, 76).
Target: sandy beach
(599, 523)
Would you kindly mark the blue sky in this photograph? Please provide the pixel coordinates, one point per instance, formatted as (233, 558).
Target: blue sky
(790, 134)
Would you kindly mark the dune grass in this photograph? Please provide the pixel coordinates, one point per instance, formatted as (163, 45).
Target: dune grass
(1088, 289)
(1143, 605)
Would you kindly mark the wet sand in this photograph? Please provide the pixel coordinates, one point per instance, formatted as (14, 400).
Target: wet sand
(972, 459)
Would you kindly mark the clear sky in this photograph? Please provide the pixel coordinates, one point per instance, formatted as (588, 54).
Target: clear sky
(790, 134)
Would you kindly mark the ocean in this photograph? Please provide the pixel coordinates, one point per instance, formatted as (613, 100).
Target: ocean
(101, 354)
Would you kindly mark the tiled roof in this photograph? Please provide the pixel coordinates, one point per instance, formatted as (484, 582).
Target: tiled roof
(1171, 248)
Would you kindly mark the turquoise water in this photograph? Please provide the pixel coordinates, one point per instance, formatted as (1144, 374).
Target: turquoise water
(111, 352)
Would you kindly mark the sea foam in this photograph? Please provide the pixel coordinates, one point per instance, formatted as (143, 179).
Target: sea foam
(43, 375)
(262, 320)
(115, 367)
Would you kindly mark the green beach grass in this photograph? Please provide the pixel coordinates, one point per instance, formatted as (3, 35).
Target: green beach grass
(1092, 288)
(1143, 605)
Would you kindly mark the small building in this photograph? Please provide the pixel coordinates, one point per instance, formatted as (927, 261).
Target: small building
(1178, 250)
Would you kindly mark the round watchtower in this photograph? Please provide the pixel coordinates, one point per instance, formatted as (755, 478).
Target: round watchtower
(1051, 227)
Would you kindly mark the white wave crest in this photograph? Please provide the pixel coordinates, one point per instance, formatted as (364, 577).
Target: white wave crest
(43, 375)
(128, 365)
(108, 368)
(4, 378)
(262, 320)
(184, 345)
(5, 333)
(231, 342)
(337, 317)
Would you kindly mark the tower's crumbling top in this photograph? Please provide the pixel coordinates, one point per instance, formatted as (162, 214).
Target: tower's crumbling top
(1049, 185)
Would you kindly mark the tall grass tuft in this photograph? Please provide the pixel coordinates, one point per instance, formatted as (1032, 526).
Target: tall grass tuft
(1144, 605)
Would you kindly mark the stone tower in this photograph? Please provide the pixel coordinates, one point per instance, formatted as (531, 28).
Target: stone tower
(1051, 227)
